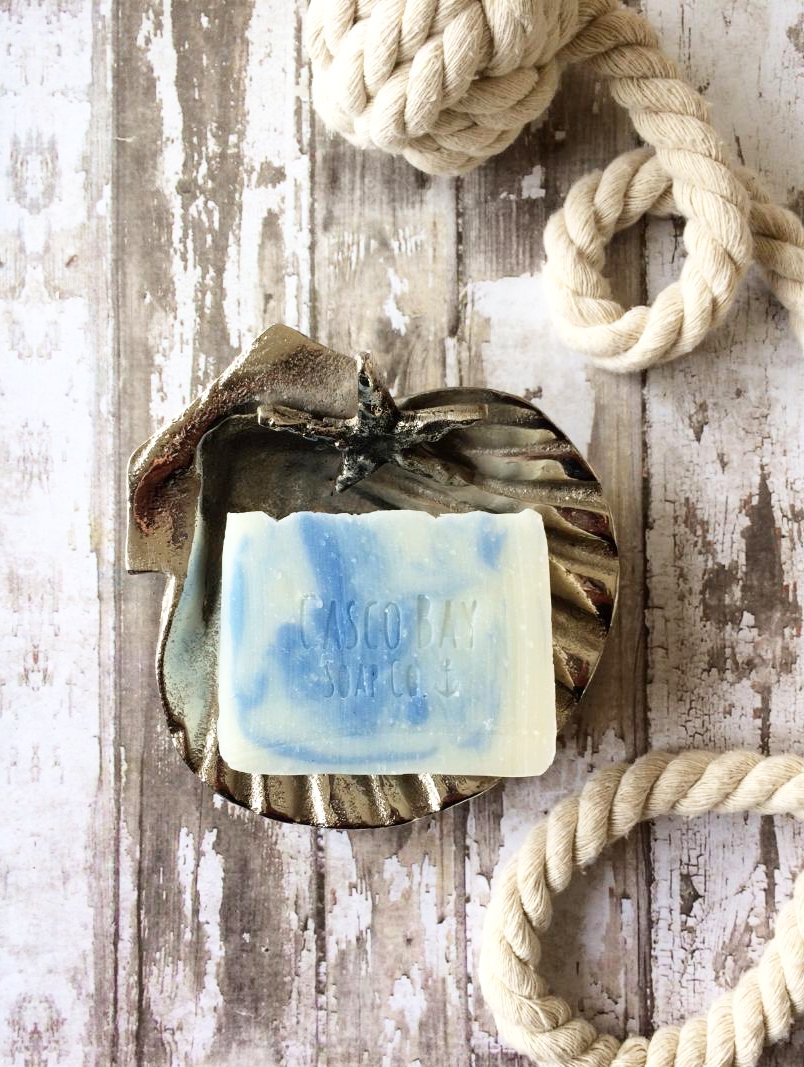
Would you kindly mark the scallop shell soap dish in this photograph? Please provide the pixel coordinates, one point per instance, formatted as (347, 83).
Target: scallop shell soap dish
(294, 427)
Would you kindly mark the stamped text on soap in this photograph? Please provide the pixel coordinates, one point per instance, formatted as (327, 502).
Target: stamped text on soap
(384, 639)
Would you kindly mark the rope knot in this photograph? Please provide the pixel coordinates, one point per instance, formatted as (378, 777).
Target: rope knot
(446, 83)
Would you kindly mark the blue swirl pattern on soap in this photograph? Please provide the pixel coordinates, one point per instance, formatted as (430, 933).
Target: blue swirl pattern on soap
(383, 654)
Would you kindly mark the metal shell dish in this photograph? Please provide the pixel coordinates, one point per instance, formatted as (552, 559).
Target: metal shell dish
(218, 457)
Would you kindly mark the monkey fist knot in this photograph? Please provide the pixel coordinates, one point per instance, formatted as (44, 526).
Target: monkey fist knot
(446, 83)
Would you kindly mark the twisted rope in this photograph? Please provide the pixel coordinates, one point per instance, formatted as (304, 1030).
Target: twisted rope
(758, 1012)
(450, 83)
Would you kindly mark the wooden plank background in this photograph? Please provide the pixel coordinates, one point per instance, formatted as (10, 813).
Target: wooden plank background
(167, 193)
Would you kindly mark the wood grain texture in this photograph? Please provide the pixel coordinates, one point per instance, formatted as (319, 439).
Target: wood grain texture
(168, 194)
(724, 446)
(393, 907)
(505, 338)
(57, 527)
(221, 909)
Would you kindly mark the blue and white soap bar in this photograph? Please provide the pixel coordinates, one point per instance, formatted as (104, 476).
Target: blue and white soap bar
(388, 643)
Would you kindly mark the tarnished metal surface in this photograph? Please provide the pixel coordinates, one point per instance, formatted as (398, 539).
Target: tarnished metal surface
(217, 457)
(378, 433)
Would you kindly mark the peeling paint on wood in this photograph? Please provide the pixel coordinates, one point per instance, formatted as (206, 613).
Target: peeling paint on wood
(506, 339)
(724, 547)
(57, 562)
(143, 246)
(221, 908)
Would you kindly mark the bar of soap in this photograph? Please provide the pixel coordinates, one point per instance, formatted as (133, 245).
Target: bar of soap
(388, 643)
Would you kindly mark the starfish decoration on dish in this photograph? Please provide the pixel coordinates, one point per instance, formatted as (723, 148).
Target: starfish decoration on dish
(378, 433)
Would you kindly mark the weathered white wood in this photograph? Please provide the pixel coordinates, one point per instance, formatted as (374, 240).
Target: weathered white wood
(724, 548)
(56, 534)
(506, 339)
(384, 242)
(212, 195)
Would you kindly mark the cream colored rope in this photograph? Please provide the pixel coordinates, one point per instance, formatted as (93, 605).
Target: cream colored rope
(449, 83)
(758, 1012)
(602, 204)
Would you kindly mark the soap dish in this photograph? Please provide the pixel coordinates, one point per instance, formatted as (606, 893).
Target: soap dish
(240, 447)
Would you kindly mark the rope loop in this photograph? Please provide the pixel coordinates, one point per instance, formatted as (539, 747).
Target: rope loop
(450, 83)
(758, 1012)
(603, 204)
